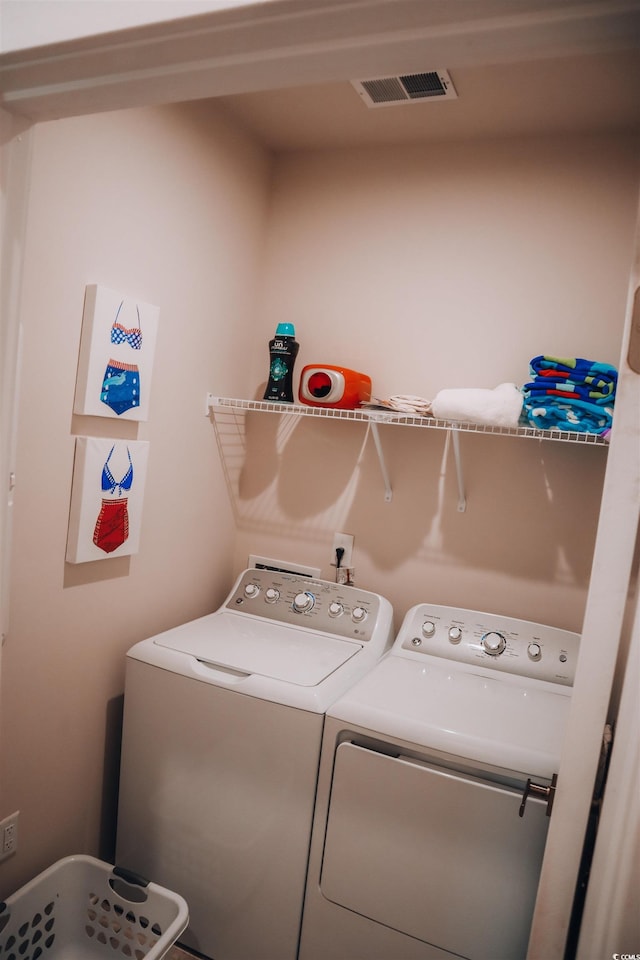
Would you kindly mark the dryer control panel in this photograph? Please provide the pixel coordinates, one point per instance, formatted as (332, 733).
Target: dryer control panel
(313, 604)
(489, 640)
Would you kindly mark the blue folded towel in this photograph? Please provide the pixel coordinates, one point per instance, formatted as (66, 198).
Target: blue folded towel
(570, 394)
(558, 413)
(576, 368)
(572, 391)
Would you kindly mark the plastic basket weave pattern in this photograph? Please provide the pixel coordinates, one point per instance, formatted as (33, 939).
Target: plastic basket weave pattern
(81, 908)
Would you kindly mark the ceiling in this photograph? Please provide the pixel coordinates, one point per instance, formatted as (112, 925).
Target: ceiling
(578, 94)
(283, 67)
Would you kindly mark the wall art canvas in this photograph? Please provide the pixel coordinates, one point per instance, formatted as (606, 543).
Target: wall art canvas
(106, 498)
(116, 355)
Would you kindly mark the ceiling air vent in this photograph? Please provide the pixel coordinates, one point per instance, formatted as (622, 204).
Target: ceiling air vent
(409, 88)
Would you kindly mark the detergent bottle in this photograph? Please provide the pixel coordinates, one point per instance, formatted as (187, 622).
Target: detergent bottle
(283, 350)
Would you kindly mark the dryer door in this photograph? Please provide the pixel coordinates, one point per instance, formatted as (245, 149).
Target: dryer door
(433, 854)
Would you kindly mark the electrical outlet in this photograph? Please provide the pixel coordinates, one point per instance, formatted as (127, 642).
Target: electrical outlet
(9, 835)
(345, 541)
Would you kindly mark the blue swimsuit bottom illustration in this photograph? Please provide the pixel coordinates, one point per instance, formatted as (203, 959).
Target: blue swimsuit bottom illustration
(121, 382)
(121, 386)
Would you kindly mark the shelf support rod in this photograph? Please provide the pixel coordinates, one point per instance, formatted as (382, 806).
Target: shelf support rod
(455, 440)
(388, 495)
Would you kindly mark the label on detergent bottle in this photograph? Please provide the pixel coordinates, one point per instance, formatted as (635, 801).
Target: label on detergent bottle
(283, 350)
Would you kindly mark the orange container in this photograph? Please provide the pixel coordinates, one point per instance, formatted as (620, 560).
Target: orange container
(325, 385)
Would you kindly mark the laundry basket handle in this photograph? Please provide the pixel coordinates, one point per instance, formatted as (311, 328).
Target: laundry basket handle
(130, 877)
(129, 885)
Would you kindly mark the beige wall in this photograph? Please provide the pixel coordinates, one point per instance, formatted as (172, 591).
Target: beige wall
(426, 268)
(15, 152)
(167, 205)
(431, 267)
(477, 255)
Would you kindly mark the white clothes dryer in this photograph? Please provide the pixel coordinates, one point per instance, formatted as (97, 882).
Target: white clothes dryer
(436, 777)
(223, 723)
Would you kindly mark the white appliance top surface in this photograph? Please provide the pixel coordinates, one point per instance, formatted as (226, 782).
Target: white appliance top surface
(474, 710)
(463, 712)
(249, 645)
(280, 637)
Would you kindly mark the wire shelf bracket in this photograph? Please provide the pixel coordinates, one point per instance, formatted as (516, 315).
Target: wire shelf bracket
(373, 418)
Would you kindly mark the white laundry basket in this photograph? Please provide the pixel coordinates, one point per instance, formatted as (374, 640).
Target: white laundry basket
(82, 908)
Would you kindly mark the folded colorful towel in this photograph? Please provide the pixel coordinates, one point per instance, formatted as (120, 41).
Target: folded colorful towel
(557, 413)
(542, 387)
(589, 374)
(570, 394)
(576, 367)
(500, 407)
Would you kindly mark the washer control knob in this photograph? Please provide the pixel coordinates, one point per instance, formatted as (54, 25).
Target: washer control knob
(251, 591)
(455, 634)
(493, 643)
(271, 595)
(335, 609)
(358, 614)
(303, 602)
(428, 628)
(535, 651)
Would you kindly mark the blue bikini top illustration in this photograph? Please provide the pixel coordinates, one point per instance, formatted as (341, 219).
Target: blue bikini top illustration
(109, 482)
(131, 335)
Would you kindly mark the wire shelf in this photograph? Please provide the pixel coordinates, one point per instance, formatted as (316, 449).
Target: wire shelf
(389, 417)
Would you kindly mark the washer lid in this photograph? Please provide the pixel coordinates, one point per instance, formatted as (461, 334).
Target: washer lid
(506, 721)
(251, 646)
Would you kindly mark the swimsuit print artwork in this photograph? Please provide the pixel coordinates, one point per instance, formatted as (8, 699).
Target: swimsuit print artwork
(112, 526)
(121, 387)
(117, 346)
(106, 498)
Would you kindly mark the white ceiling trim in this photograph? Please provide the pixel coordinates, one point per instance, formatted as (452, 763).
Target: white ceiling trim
(294, 42)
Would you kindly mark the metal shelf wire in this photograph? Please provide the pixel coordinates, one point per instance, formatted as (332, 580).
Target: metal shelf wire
(372, 415)
(372, 418)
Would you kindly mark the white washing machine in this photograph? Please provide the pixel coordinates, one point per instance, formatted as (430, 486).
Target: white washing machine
(223, 725)
(423, 847)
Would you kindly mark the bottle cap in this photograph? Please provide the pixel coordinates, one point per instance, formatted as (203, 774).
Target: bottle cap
(285, 330)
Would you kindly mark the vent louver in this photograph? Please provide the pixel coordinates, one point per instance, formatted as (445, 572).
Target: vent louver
(407, 88)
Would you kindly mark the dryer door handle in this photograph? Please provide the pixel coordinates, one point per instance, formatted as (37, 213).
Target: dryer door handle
(539, 790)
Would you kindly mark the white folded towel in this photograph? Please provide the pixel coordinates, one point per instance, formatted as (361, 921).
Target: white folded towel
(500, 407)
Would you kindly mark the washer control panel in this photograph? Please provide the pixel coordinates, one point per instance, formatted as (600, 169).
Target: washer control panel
(314, 604)
(502, 643)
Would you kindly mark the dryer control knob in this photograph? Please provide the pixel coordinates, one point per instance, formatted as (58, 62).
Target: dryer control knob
(535, 651)
(455, 634)
(335, 609)
(358, 614)
(251, 590)
(272, 595)
(493, 643)
(428, 628)
(303, 602)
